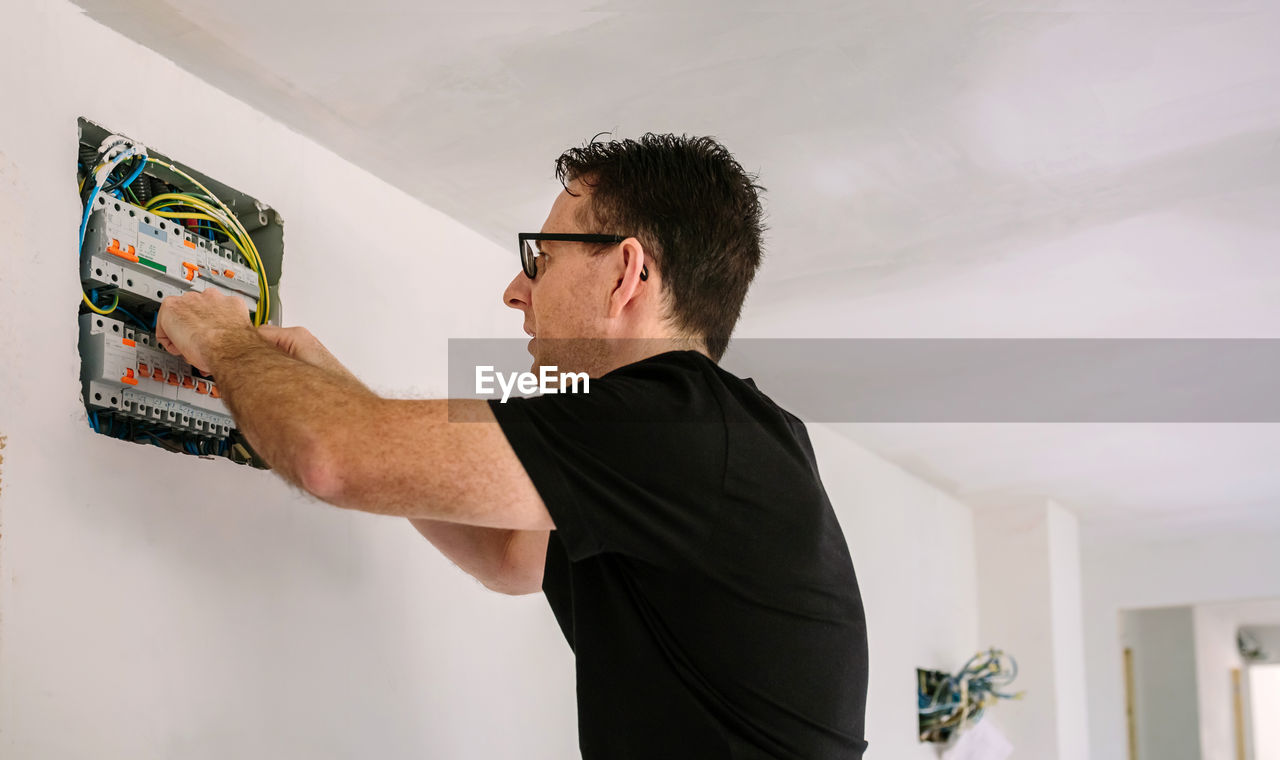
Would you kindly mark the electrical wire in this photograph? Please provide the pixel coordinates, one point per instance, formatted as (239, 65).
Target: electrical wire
(948, 702)
(229, 223)
(134, 317)
(137, 170)
(100, 174)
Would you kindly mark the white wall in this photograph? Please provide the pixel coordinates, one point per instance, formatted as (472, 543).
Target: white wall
(156, 605)
(1166, 705)
(1264, 698)
(1216, 655)
(1121, 575)
(1030, 606)
(1066, 610)
(912, 547)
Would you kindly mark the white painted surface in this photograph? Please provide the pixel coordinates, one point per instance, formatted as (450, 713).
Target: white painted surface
(1166, 707)
(1264, 697)
(1038, 169)
(1028, 565)
(982, 741)
(1014, 580)
(1216, 655)
(912, 547)
(1131, 574)
(160, 606)
(1133, 482)
(1066, 611)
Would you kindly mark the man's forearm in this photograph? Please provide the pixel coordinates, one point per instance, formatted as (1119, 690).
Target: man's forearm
(504, 560)
(281, 404)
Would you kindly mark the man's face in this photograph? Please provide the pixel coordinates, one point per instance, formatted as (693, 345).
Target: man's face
(569, 297)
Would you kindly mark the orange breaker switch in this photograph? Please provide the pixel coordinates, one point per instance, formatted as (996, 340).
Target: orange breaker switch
(202, 387)
(187, 382)
(143, 370)
(213, 392)
(114, 249)
(173, 378)
(130, 342)
(157, 374)
(193, 271)
(128, 378)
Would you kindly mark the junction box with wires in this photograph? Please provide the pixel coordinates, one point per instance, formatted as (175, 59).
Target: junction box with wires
(152, 228)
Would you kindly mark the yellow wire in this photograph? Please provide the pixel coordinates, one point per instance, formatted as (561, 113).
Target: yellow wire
(237, 234)
(230, 214)
(85, 296)
(234, 239)
(178, 215)
(245, 247)
(95, 308)
(231, 227)
(255, 260)
(170, 200)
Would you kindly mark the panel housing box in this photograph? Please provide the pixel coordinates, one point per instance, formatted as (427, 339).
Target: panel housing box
(135, 258)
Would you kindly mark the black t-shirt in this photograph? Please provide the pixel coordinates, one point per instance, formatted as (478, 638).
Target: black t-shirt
(697, 568)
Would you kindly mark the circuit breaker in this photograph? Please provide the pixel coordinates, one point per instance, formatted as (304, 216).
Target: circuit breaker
(140, 256)
(152, 228)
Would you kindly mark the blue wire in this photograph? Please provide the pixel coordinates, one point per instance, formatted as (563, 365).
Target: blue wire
(130, 315)
(134, 175)
(152, 436)
(88, 209)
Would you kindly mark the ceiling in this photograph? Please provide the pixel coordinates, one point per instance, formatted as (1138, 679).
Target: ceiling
(971, 169)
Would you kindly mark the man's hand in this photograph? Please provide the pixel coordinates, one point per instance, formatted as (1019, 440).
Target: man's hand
(192, 325)
(299, 343)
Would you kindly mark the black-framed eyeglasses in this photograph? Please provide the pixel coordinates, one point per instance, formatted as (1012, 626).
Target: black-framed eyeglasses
(529, 253)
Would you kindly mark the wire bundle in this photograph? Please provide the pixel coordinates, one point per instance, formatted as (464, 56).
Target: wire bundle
(117, 154)
(114, 152)
(948, 702)
(141, 431)
(209, 208)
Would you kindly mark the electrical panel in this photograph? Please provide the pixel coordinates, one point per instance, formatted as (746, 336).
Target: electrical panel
(152, 228)
(142, 257)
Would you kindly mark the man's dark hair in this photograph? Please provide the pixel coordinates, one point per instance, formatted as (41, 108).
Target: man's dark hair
(693, 208)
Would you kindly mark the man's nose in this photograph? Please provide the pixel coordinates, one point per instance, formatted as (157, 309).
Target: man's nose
(518, 294)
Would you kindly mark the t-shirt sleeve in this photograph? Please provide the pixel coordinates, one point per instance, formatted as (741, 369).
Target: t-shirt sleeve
(635, 466)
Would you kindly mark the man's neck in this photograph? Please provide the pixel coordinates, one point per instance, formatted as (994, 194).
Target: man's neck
(602, 356)
(636, 350)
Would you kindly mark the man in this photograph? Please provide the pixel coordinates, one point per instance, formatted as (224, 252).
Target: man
(673, 515)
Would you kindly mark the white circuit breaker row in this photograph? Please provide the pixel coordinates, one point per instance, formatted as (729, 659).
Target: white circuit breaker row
(124, 370)
(132, 252)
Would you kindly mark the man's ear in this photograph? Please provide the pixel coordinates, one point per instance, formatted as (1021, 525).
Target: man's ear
(635, 270)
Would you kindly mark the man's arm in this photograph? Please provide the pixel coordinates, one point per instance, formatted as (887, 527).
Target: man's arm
(504, 560)
(326, 432)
